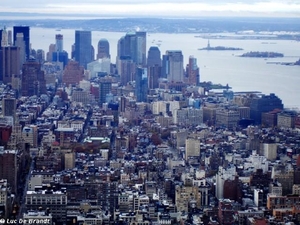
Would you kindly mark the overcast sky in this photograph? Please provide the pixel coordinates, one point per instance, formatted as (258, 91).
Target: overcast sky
(178, 8)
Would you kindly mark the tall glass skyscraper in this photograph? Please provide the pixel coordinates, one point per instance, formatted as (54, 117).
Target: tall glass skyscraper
(133, 45)
(26, 37)
(175, 66)
(83, 47)
(141, 84)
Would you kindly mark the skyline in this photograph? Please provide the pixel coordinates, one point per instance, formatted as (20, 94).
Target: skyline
(155, 8)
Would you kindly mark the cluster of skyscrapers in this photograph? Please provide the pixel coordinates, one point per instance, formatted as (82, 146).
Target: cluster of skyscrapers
(133, 65)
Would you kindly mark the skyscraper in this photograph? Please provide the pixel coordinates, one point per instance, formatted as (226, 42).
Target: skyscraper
(21, 44)
(141, 84)
(104, 89)
(133, 45)
(103, 49)
(83, 50)
(154, 73)
(59, 42)
(141, 48)
(193, 71)
(127, 69)
(33, 79)
(9, 60)
(26, 36)
(154, 57)
(175, 66)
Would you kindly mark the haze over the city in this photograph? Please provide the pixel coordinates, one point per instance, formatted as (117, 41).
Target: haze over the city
(152, 8)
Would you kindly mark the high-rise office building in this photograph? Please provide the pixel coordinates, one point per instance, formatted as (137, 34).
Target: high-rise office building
(154, 73)
(175, 66)
(127, 70)
(133, 45)
(9, 60)
(141, 84)
(104, 89)
(154, 57)
(103, 49)
(33, 79)
(21, 44)
(83, 50)
(141, 38)
(26, 37)
(59, 43)
(193, 71)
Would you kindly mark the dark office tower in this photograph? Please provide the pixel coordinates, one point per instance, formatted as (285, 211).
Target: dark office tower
(141, 84)
(265, 103)
(141, 38)
(33, 79)
(193, 71)
(165, 66)
(122, 104)
(8, 167)
(26, 36)
(154, 57)
(73, 73)
(103, 49)
(127, 70)
(154, 73)
(9, 107)
(59, 42)
(60, 57)
(104, 89)
(21, 44)
(9, 63)
(83, 50)
(175, 66)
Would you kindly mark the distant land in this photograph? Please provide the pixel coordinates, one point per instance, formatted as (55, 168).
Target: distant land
(288, 27)
(262, 55)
